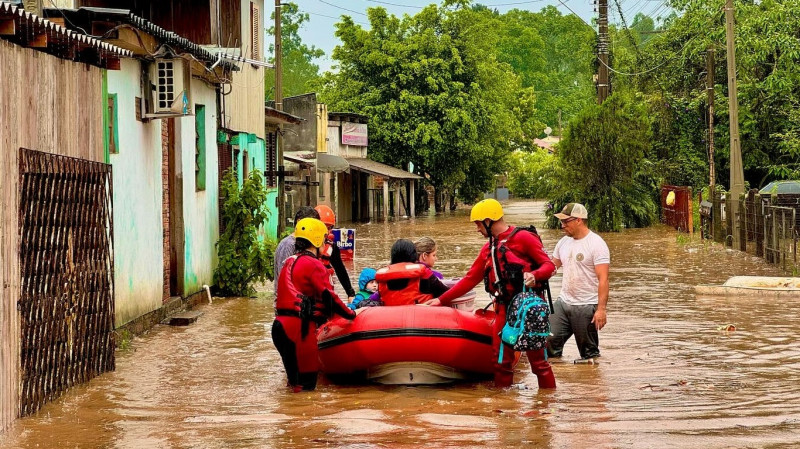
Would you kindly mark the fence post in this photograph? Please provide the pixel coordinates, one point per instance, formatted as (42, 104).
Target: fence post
(759, 224)
(728, 218)
(743, 223)
(775, 254)
(716, 218)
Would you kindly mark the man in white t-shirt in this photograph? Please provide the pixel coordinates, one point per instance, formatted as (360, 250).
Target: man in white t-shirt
(581, 306)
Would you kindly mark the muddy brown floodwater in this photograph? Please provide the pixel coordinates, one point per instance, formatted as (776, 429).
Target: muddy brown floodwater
(667, 377)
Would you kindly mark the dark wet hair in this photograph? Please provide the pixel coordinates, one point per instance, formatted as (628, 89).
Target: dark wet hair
(403, 250)
(305, 212)
(301, 245)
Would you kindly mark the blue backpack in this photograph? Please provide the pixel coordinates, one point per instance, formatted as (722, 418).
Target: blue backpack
(527, 323)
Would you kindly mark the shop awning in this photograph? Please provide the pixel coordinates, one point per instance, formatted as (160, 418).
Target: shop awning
(376, 168)
(299, 159)
(329, 163)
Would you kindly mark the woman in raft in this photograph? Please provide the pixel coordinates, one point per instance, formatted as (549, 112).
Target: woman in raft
(406, 280)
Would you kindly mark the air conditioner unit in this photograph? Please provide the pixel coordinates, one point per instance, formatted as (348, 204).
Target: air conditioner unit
(168, 88)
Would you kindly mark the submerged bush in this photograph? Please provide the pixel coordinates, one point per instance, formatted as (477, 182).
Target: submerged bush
(243, 258)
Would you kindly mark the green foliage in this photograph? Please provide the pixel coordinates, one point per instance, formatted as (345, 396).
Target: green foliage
(602, 164)
(243, 259)
(768, 75)
(300, 73)
(530, 174)
(435, 94)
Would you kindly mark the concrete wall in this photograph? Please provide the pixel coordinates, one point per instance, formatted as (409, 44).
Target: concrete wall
(200, 208)
(334, 142)
(302, 137)
(138, 266)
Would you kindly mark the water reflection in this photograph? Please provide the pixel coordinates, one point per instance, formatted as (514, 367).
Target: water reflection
(667, 378)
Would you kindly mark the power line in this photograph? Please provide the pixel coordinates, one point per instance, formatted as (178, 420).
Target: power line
(483, 4)
(575, 14)
(343, 8)
(678, 53)
(334, 17)
(395, 4)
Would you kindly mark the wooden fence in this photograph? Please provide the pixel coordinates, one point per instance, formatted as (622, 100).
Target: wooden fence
(66, 303)
(768, 226)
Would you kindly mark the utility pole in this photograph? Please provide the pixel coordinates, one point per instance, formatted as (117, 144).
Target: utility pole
(737, 171)
(281, 200)
(603, 83)
(710, 93)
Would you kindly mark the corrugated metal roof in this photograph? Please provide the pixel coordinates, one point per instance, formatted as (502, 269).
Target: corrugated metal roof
(376, 168)
(125, 16)
(279, 117)
(61, 42)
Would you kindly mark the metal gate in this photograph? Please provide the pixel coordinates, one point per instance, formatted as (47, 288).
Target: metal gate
(66, 304)
(679, 213)
(780, 242)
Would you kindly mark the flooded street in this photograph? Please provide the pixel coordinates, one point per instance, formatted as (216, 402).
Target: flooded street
(667, 377)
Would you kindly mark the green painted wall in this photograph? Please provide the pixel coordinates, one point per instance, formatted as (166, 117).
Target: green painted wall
(256, 153)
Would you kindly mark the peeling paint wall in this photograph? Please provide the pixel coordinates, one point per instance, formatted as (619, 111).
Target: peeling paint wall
(138, 227)
(200, 208)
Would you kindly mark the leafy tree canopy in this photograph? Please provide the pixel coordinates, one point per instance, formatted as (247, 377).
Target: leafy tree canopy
(435, 93)
(299, 70)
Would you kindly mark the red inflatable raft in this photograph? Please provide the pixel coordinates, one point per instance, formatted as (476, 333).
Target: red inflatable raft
(408, 345)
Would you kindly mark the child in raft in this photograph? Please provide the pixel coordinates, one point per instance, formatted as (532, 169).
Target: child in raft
(427, 253)
(367, 285)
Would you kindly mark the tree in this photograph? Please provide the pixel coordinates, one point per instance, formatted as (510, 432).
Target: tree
(434, 92)
(603, 165)
(299, 71)
(768, 59)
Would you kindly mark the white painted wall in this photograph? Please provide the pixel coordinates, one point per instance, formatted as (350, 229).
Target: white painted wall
(138, 227)
(200, 209)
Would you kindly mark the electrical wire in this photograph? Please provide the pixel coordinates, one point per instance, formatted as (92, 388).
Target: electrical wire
(678, 53)
(342, 8)
(576, 14)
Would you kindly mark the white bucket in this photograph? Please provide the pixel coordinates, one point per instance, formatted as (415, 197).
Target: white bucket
(465, 302)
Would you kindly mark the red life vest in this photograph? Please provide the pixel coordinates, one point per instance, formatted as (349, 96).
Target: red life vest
(510, 268)
(398, 284)
(326, 252)
(290, 301)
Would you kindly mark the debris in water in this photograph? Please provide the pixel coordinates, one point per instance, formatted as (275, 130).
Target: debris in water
(726, 327)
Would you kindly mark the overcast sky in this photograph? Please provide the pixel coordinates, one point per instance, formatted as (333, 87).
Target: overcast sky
(325, 13)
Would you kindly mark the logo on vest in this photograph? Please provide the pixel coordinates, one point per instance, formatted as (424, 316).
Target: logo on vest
(579, 257)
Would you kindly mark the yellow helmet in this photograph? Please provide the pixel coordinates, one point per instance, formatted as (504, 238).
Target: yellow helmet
(312, 230)
(490, 209)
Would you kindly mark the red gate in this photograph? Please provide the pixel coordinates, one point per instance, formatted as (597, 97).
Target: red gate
(676, 207)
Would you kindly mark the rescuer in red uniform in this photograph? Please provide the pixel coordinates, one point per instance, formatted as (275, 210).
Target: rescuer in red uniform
(510, 259)
(305, 300)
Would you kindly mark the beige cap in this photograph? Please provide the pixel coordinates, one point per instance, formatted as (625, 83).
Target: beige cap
(573, 210)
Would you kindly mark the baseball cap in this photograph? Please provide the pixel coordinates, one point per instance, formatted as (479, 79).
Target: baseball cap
(573, 210)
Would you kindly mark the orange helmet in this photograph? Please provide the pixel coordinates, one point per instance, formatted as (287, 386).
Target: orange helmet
(326, 214)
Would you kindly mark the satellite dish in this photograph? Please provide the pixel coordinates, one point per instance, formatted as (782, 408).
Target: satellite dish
(548, 130)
